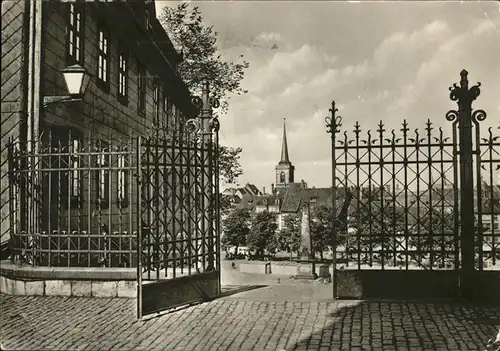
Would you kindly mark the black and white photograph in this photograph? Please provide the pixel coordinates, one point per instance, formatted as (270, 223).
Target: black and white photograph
(250, 175)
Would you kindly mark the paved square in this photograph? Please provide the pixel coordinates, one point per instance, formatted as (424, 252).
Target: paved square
(243, 322)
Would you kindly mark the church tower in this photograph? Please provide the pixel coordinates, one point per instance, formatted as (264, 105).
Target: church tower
(284, 169)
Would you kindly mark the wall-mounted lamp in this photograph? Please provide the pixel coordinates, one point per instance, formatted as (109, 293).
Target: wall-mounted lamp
(77, 80)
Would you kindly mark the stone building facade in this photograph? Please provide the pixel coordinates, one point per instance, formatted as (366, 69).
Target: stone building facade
(133, 89)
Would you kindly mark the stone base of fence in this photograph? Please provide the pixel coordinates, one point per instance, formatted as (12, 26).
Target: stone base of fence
(61, 281)
(283, 268)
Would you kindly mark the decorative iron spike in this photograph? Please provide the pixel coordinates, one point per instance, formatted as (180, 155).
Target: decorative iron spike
(381, 128)
(464, 82)
(417, 134)
(428, 126)
(405, 128)
(333, 123)
(357, 127)
(333, 110)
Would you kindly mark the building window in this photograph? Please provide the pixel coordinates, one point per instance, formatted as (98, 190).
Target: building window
(146, 21)
(103, 55)
(173, 114)
(103, 175)
(74, 34)
(156, 103)
(142, 90)
(66, 180)
(75, 169)
(165, 100)
(166, 106)
(122, 75)
(282, 178)
(123, 181)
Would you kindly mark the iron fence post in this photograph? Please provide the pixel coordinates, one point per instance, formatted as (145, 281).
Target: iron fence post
(215, 126)
(138, 222)
(464, 97)
(333, 124)
(205, 114)
(208, 103)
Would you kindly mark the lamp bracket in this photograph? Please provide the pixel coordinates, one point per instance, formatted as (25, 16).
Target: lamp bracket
(47, 100)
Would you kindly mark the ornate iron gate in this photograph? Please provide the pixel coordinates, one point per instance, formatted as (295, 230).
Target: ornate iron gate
(178, 210)
(420, 207)
(147, 203)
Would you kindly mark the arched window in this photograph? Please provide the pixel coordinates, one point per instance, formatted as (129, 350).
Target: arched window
(282, 177)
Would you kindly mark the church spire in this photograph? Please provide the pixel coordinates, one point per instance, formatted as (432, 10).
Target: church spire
(284, 145)
(284, 169)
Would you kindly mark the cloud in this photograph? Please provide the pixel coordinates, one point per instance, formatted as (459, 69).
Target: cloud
(397, 65)
(407, 76)
(296, 81)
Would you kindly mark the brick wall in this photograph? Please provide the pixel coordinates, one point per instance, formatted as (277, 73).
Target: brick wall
(12, 95)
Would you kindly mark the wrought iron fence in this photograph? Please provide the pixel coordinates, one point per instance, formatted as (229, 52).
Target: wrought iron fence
(179, 187)
(405, 207)
(71, 201)
(423, 200)
(487, 209)
(146, 202)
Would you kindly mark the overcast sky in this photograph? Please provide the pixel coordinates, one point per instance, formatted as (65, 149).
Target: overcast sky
(378, 60)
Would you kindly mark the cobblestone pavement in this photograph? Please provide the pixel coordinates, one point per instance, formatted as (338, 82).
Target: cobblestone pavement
(37, 323)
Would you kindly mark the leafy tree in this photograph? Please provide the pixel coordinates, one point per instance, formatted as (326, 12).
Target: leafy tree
(229, 164)
(376, 226)
(230, 169)
(322, 221)
(288, 238)
(202, 60)
(429, 230)
(262, 233)
(236, 228)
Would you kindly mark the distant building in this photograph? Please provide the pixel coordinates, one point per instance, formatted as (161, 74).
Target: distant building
(239, 196)
(297, 196)
(267, 203)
